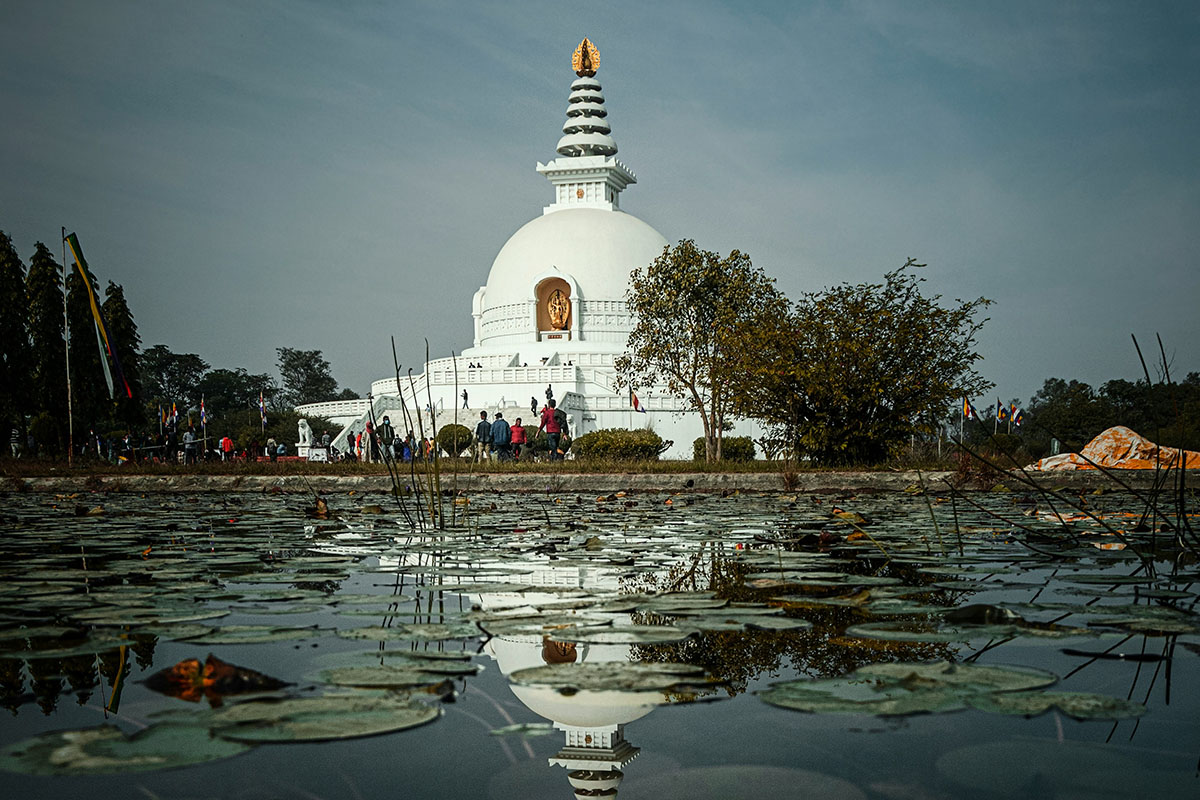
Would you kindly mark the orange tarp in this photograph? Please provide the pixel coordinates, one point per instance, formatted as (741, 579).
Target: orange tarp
(1121, 448)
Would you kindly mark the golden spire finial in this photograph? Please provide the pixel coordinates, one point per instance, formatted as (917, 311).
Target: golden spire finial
(586, 60)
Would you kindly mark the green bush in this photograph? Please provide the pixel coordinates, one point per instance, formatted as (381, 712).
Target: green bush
(454, 440)
(619, 443)
(733, 448)
(535, 444)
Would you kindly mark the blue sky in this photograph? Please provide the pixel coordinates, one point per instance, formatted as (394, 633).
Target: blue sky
(326, 175)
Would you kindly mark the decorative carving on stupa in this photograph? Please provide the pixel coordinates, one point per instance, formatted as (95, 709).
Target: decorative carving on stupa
(586, 59)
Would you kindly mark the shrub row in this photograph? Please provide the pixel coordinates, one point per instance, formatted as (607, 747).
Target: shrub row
(621, 444)
(733, 448)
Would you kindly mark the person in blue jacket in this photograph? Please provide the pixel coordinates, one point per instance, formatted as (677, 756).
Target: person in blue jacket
(501, 438)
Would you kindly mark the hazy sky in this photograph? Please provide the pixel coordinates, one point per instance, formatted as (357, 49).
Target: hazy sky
(323, 175)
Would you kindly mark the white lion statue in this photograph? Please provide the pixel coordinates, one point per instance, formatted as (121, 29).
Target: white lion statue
(305, 433)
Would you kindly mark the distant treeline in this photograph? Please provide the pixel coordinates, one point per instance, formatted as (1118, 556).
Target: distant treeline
(33, 368)
(1074, 413)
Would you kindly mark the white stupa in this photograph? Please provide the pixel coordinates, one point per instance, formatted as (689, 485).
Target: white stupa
(552, 315)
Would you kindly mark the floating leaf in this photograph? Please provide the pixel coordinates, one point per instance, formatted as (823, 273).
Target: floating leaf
(427, 632)
(253, 634)
(976, 677)
(106, 750)
(1079, 705)
(633, 634)
(382, 677)
(620, 676)
(315, 719)
(897, 689)
(840, 696)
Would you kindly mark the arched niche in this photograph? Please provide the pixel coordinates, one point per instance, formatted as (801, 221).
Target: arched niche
(555, 305)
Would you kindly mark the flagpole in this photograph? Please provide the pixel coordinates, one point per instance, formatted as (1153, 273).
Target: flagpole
(67, 350)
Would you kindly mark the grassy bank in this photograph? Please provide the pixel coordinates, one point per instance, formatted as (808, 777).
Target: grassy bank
(29, 468)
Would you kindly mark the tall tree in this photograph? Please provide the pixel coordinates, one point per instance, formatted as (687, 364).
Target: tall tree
(14, 337)
(691, 310)
(227, 390)
(126, 342)
(307, 377)
(47, 356)
(171, 377)
(852, 372)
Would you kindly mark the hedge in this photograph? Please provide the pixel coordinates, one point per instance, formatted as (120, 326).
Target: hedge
(620, 443)
(733, 448)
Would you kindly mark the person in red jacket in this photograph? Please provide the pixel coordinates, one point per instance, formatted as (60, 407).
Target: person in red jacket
(553, 431)
(518, 438)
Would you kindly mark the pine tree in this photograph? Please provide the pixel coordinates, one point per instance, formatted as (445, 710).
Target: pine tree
(123, 333)
(14, 337)
(48, 370)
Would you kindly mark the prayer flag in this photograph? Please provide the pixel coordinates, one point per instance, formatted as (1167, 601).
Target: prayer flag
(1001, 411)
(262, 408)
(637, 406)
(967, 411)
(1018, 416)
(203, 413)
(174, 415)
(103, 341)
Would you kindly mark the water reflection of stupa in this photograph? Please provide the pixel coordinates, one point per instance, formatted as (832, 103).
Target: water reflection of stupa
(595, 750)
(593, 723)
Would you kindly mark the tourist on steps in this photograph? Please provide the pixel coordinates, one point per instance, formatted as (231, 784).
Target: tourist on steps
(553, 431)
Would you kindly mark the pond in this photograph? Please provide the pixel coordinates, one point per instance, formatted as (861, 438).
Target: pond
(684, 645)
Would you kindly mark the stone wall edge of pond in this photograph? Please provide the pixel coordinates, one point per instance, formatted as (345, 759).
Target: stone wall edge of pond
(554, 483)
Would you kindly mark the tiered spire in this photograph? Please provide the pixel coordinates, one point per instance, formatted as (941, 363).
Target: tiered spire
(586, 131)
(587, 175)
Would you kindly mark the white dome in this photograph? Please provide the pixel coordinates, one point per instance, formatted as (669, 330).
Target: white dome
(596, 247)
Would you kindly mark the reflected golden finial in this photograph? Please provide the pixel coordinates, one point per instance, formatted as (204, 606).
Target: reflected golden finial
(586, 60)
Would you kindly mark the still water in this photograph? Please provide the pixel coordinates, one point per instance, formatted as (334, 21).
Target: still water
(899, 647)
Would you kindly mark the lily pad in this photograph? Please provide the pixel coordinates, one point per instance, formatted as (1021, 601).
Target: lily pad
(427, 632)
(381, 677)
(619, 676)
(900, 689)
(252, 634)
(976, 677)
(106, 750)
(315, 719)
(1078, 705)
(837, 696)
(632, 634)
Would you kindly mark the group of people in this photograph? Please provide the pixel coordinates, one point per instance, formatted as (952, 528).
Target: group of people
(172, 445)
(382, 444)
(503, 442)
